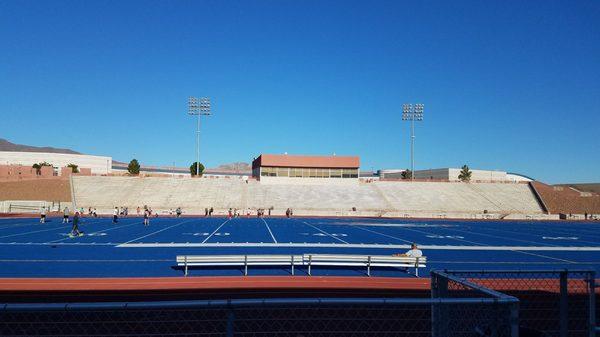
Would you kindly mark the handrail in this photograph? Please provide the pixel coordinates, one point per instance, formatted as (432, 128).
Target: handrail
(244, 303)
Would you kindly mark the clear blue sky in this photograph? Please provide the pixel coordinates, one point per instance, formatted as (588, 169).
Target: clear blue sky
(508, 85)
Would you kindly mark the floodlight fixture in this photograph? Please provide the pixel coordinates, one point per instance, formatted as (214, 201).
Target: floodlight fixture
(198, 107)
(412, 113)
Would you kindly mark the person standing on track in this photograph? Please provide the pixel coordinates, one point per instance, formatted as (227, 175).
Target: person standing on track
(66, 215)
(43, 215)
(116, 215)
(178, 212)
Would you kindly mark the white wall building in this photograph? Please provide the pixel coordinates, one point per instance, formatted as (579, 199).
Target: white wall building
(451, 174)
(98, 164)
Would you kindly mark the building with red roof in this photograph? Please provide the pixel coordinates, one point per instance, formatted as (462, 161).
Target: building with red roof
(292, 168)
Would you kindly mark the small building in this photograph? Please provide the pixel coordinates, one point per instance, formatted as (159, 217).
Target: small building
(273, 168)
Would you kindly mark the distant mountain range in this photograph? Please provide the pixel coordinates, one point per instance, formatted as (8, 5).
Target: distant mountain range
(5, 145)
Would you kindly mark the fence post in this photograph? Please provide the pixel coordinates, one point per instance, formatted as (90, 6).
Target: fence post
(292, 264)
(309, 264)
(592, 300)
(245, 265)
(514, 319)
(369, 265)
(564, 304)
(230, 320)
(439, 319)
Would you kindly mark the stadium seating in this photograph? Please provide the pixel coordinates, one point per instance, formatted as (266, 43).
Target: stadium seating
(368, 199)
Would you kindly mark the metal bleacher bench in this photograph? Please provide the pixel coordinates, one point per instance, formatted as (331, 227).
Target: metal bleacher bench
(305, 260)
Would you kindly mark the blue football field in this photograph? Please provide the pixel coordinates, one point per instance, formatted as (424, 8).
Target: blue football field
(128, 249)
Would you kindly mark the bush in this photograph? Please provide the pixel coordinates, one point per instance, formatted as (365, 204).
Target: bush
(38, 167)
(465, 174)
(133, 167)
(193, 169)
(74, 168)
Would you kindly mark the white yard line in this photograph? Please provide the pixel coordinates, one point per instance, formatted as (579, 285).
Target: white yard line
(158, 231)
(213, 233)
(546, 257)
(324, 232)
(42, 230)
(102, 231)
(355, 245)
(389, 236)
(269, 228)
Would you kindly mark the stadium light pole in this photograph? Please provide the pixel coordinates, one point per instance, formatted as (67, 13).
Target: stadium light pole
(412, 113)
(198, 107)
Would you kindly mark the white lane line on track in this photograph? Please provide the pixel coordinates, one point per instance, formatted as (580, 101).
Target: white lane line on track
(158, 231)
(324, 232)
(213, 233)
(102, 231)
(515, 249)
(389, 236)
(269, 228)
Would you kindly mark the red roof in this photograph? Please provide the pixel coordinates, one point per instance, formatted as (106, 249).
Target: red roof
(286, 160)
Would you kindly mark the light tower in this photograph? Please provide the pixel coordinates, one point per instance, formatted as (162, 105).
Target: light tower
(412, 113)
(198, 107)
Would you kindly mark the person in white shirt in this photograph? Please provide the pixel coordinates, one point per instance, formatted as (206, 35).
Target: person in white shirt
(413, 252)
(43, 215)
(115, 215)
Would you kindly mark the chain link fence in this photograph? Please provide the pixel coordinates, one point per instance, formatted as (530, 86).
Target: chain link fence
(268, 317)
(471, 303)
(552, 302)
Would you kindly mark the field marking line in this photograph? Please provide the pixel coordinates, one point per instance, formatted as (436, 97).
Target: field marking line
(32, 232)
(500, 237)
(102, 231)
(158, 231)
(83, 260)
(430, 233)
(515, 250)
(324, 232)
(269, 228)
(389, 236)
(537, 232)
(213, 233)
(361, 245)
(546, 257)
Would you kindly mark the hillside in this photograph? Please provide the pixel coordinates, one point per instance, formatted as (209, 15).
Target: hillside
(5, 145)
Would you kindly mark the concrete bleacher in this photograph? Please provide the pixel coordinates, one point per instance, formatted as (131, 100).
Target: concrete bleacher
(379, 198)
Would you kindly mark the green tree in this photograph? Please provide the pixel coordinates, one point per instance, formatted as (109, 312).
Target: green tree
(406, 174)
(193, 169)
(38, 167)
(465, 174)
(74, 168)
(133, 167)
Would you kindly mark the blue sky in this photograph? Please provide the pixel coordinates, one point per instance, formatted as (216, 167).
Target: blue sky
(508, 85)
